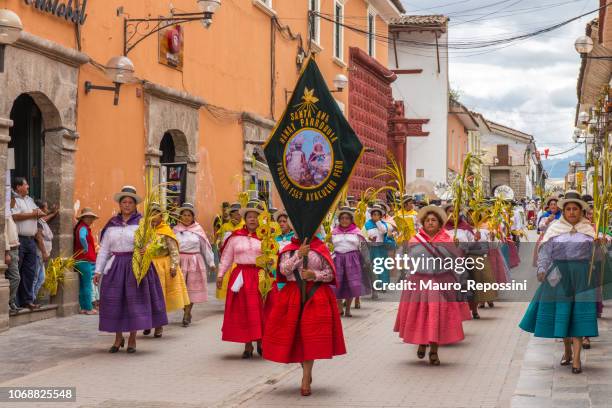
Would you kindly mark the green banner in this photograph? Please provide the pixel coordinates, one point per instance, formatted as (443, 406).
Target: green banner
(311, 152)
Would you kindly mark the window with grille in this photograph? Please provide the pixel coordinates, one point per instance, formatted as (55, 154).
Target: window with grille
(338, 30)
(371, 34)
(314, 22)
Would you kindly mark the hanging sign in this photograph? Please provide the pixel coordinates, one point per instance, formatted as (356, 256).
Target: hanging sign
(69, 10)
(171, 46)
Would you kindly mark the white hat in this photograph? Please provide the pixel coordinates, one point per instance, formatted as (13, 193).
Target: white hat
(187, 207)
(572, 196)
(252, 206)
(346, 210)
(378, 207)
(431, 209)
(127, 191)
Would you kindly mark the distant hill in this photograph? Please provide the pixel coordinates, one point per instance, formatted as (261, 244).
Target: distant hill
(557, 168)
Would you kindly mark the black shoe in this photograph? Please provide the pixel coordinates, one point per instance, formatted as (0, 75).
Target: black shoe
(259, 350)
(475, 315)
(586, 343)
(115, 349)
(247, 354)
(146, 332)
(433, 359)
(421, 351)
(566, 361)
(576, 370)
(131, 350)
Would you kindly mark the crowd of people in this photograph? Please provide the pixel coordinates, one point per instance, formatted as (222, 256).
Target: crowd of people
(319, 279)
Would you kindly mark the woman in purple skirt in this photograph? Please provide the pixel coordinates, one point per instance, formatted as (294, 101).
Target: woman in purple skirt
(126, 306)
(347, 239)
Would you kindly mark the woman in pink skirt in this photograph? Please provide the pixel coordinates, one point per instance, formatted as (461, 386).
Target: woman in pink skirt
(196, 255)
(429, 315)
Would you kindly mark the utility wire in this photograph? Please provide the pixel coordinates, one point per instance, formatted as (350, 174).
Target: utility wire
(464, 45)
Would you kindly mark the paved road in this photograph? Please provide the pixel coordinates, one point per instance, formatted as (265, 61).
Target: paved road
(544, 383)
(193, 368)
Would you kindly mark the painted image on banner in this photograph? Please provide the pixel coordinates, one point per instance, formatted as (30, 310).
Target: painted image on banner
(308, 158)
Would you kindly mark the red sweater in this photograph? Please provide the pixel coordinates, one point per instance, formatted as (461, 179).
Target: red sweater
(90, 255)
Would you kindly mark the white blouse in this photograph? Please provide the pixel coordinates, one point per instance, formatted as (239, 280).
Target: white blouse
(192, 243)
(379, 232)
(344, 243)
(116, 239)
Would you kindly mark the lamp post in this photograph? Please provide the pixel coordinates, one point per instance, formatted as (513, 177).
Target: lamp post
(584, 46)
(120, 70)
(10, 28)
(208, 7)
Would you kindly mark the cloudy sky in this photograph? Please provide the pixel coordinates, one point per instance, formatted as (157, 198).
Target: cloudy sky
(530, 85)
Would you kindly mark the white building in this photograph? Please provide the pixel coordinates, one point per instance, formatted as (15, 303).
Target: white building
(419, 57)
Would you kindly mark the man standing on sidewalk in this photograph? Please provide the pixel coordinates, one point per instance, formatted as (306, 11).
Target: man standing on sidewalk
(26, 215)
(11, 255)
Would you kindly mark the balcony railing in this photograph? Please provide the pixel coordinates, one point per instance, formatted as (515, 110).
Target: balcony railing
(502, 161)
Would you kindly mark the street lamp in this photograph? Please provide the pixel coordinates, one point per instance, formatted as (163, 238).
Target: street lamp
(340, 82)
(584, 46)
(583, 119)
(208, 7)
(120, 70)
(10, 28)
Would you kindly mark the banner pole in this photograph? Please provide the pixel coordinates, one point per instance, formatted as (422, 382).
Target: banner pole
(303, 282)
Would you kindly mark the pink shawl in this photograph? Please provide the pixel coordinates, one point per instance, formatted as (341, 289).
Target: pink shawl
(195, 228)
(351, 229)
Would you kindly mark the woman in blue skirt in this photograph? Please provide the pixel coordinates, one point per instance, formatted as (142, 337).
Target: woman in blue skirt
(564, 306)
(378, 232)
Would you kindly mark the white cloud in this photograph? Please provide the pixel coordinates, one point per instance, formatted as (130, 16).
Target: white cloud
(530, 85)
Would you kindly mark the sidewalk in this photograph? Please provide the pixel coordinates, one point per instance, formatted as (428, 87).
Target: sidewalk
(193, 368)
(544, 383)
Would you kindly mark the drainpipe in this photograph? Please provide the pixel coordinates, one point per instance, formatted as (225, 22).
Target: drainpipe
(272, 64)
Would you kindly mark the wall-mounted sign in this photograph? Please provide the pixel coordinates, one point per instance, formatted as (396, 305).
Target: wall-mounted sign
(68, 10)
(171, 46)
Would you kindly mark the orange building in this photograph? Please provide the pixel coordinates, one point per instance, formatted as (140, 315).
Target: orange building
(203, 98)
(461, 125)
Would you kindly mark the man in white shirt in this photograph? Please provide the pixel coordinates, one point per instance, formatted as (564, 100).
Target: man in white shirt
(26, 215)
(11, 254)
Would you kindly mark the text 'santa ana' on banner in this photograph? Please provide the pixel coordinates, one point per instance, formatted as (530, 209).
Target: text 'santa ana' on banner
(311, 152)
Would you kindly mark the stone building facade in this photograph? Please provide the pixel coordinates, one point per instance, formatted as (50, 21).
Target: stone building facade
(506, 159)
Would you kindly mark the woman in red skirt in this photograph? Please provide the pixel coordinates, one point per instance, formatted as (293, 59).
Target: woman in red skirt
(243, 319)
(301, 332)
(430, 313)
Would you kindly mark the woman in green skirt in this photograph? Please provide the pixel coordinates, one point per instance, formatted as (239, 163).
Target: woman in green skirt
(564, 306)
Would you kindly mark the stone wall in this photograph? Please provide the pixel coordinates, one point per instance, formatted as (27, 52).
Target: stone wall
(48, 72)
(513, 176)
(175, 112)
(255, 132)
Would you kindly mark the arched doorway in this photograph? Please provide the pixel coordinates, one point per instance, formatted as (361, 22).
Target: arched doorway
(173, 167)
(27, 142)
